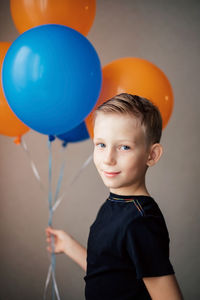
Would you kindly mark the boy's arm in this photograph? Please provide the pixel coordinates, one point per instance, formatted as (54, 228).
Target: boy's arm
(77, 253)
(163, 288)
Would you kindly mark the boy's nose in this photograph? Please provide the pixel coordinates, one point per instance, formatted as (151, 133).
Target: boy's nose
(109, 158)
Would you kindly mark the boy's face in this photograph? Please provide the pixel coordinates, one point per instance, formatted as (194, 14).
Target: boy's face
(120, 152)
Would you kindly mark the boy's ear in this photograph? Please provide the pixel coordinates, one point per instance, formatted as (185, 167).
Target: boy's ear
(156, 150)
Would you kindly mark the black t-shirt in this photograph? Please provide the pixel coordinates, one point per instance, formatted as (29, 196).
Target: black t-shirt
(127, 241)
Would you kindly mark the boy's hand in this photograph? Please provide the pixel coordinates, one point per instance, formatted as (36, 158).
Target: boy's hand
(62, 240)
(64, 243)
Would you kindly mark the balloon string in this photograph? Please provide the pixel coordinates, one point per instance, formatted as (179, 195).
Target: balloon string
(57, 201)
(51, 211)
(47, 283)
(51, 271)
(33, 166)
(50, 185)
(60, 175)
(84, 165)
(53, 259)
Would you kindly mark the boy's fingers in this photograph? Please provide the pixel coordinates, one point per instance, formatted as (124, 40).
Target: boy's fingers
(49, 233)
(49, 230)
(50, 250)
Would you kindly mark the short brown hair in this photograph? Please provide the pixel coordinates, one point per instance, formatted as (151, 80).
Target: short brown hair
(140, 107)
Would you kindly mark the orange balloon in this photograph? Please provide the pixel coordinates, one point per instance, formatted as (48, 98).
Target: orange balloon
(138, 77)
(77, 14)
(10, 125)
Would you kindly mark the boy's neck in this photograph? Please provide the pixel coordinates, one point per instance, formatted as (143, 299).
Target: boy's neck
(131, 191)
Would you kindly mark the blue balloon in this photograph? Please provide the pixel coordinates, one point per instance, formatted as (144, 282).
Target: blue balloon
(77, 134)
(51, 78)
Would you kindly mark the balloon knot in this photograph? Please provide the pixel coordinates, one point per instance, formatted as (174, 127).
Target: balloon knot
(17, 141)
(64, 144)
(51, 138)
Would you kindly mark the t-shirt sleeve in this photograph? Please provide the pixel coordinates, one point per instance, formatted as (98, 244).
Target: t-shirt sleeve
(147, 243)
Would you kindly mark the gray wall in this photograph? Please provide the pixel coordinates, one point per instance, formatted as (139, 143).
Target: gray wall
(167, 34)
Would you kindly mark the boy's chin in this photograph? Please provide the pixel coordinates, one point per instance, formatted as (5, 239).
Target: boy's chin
(111, 185)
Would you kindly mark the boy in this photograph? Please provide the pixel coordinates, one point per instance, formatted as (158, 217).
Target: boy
(128, 244)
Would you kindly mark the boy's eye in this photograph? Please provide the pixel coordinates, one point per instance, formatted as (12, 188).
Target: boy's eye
(124, 147)
(100, 145)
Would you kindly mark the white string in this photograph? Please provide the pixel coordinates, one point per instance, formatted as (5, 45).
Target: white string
(49, 274)
(85, 164)
(33, 166)
(55, 285)
(47, 282)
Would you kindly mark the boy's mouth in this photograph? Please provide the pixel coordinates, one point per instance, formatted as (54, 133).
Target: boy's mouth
(111, 174)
